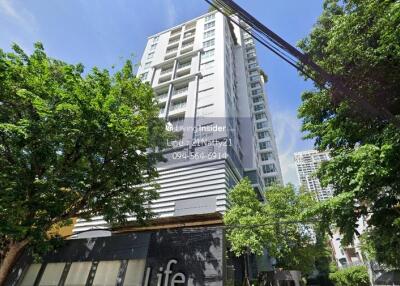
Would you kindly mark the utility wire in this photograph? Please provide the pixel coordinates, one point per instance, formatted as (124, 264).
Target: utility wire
(285, 51)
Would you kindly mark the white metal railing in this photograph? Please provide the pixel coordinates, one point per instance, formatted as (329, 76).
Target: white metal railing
(166, 71)
(178, 106)
(174, 33)
(184, 65)
(162, 96)
(180, 91)
(187, 44)
(188, 35)
(174, 40)
(172, 50)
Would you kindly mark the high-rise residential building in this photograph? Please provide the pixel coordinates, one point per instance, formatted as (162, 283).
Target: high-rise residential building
(307, 164)
(210, 88)
(207, 80)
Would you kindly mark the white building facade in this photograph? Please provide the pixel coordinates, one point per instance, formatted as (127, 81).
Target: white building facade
(206, 78)
(307, 163)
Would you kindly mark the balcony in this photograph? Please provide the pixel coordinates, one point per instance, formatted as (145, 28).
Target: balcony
(184, 65)
(171, 50)
(176, 106)
(166, 71)
(180, 91)
(187, 44)
(189, 34)
(162, 96)
(174, 39)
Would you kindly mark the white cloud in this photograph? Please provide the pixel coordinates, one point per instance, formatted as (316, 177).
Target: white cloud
(171, 13)
(288, 139)
(18, 14)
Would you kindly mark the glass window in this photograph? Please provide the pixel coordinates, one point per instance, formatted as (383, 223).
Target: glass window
(269, 168)
(267, 156)
(265, 145)
(147, 65)
(209, 25)
(78, 274)
(262, 125)
(207, 54)
(269, 180)
(153, 47)
(134, 272)
(106, 273)
(260, 116)
(150, 55)
(258, 107)
(143, 76)
(208, 43)
(209, 34)
(257, 99)
(31, 274)
(263, 134)
(52, 274)
(256, 91)
(209, 17)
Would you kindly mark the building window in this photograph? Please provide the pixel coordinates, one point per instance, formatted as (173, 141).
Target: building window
(209, 34)
(52, 274)
(147, 65)
(265, 145)
(31, 274)
(258, 107)
(155, 39)
(262, 125)
(267, 156)
(254, 78)
(269, 180)
(209, 25)
(78, 273)
(209, 17)
(207, 54)
(107, 273)
(257, 99)
(263, 134)
(208, 43)
(150, 55)
(256, 91)
(269, 168)
(143, 76)
(260, 116)
(153, 47)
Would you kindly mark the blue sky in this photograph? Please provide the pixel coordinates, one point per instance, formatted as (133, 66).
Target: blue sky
(103, 33)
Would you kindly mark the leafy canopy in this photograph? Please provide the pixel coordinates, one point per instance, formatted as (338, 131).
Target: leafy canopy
(273, 224)
(73, 145)
(358, 42)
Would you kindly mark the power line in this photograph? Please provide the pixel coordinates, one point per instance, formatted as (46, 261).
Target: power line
(285, 51)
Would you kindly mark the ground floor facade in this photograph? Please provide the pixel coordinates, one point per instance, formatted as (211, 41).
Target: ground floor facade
(165, 257)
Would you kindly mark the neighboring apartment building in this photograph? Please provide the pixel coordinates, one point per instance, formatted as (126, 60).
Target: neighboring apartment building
(207, 80)
(307, 163)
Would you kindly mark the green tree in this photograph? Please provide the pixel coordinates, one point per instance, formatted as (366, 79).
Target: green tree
(351, 276)
(358, 42)
(71, 145)
(273, 224)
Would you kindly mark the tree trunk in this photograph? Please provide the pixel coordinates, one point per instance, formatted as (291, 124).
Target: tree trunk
(10, 258)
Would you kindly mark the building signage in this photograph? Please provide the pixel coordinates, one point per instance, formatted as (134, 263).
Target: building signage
(168, 276)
